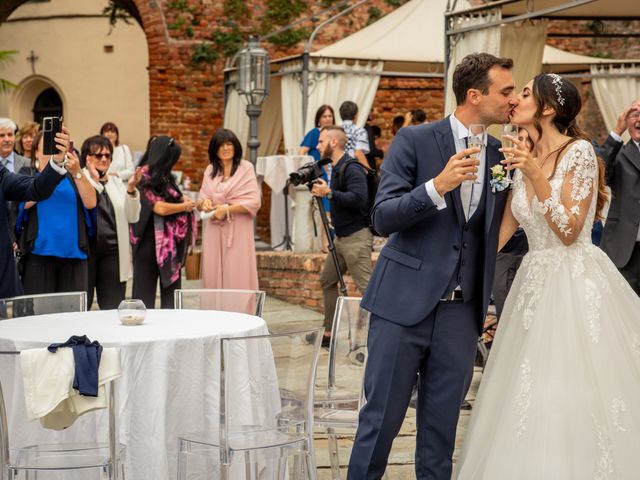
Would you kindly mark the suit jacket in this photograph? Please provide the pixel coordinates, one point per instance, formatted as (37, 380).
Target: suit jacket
(623, 176)
(423, 251)
(14, 187)
(20, 162)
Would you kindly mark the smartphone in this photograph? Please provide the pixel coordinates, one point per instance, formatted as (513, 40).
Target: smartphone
(50, 126)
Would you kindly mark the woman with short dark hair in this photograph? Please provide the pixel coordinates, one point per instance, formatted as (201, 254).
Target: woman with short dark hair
(167, 226)
(229, 199)
(118, 206)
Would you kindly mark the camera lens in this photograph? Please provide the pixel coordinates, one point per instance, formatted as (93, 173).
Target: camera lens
(47, 125)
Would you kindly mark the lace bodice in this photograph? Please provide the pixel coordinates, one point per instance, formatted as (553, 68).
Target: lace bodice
(572, 203)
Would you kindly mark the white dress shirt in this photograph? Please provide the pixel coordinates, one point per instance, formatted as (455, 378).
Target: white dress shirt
(9, 162)
(470, 192)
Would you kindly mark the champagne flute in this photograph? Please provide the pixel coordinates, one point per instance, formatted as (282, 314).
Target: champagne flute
(509, 132)
(477, 139)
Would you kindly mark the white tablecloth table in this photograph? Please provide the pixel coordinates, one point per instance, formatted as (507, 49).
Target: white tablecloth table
(275, 170)
(170, 380)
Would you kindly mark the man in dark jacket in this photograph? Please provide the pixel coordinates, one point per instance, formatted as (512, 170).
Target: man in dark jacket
(349, 199)
(621, 235)
(15, 187)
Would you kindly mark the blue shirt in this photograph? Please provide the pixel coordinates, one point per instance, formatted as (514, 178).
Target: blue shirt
(58, 224)
(310, 141)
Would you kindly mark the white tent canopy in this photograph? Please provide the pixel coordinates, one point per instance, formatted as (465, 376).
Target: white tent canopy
(412, 33)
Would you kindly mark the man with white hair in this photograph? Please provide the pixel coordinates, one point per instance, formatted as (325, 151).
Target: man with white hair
(621, 234)
(8, 158)
(12, 162)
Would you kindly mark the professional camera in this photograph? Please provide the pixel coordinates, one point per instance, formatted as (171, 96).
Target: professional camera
(308, 172)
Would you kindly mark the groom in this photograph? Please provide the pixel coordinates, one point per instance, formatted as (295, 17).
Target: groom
(430, 288)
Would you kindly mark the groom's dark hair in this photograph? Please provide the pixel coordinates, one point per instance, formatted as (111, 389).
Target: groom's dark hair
(473, 72)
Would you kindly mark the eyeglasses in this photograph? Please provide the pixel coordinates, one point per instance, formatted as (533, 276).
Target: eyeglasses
(101, 156)
(634, 115)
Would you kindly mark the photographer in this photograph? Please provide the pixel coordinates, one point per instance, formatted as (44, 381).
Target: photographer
(349, 202)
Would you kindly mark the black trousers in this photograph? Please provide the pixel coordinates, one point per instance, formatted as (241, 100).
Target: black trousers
(506, 268)
(146, 274)
(104, 277)
(44, 274)
(631, 271)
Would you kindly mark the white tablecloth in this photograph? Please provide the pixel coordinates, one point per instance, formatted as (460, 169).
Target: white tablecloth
(170, 380)
(275, 170)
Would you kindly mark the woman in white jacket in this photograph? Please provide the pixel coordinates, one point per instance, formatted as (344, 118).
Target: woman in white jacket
(118, 206)
(121, 159)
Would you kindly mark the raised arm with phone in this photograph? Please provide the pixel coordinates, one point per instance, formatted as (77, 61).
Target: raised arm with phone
(22, 188)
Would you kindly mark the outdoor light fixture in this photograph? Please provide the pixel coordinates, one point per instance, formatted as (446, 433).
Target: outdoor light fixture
(253, 83)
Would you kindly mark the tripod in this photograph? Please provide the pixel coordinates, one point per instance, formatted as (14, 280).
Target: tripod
(332, 247)
(286, 242)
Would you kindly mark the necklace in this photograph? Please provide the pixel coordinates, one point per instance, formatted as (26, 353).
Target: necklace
(559, 149)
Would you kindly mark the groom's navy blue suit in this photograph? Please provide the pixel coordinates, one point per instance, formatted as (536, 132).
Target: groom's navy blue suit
(430, 253)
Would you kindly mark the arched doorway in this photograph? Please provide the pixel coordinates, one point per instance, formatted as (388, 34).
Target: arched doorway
(47, 104)
(37, 97)
(87, 88)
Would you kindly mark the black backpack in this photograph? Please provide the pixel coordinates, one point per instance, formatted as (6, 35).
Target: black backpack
(373, 179)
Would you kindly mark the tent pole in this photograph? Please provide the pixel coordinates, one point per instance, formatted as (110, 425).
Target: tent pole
(305, 88)
(447, 46)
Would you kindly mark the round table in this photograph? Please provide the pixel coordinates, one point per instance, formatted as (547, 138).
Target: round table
(170, 376)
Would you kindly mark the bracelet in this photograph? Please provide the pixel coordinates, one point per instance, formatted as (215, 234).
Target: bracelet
(133, 194)
(228, 215)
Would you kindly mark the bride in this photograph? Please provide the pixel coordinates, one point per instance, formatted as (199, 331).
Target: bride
(560, 397)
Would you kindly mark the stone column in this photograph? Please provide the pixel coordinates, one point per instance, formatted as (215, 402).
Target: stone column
(304, 208)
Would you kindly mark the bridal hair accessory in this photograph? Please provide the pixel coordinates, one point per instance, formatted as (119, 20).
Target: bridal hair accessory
(557, 82)
(499, 180)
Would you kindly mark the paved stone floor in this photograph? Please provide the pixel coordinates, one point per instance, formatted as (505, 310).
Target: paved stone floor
(281, 315)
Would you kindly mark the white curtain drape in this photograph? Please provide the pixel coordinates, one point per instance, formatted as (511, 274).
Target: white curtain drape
(483, 40)
(236, 119)
(270, 121)
(355, 81)
(525, 45)
(291, 98)
(615, 91)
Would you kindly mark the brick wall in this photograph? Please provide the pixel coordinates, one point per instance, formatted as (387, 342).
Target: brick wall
(295, 277)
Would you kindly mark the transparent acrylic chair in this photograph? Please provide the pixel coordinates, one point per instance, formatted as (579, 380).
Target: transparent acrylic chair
(102, 459)
(42, 304)
(265, 410)
(250, 302)
(338, 399)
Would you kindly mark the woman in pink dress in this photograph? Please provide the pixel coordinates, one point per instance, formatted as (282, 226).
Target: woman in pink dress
(229, 200)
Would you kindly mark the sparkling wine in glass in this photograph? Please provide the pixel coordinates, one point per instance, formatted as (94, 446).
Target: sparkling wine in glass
(477, 138)
(509, 132)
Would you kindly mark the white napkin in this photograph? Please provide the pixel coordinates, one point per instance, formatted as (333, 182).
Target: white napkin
(48, 385)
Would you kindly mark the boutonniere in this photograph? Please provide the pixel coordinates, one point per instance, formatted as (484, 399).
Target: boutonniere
(499, 180)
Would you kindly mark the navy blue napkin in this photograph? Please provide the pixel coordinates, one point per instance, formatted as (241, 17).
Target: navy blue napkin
(86, 355)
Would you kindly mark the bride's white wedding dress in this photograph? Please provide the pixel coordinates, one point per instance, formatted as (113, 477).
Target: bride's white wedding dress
(560, 396)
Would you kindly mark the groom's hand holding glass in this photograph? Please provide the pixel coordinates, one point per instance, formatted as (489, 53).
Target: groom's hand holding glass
(461, 167)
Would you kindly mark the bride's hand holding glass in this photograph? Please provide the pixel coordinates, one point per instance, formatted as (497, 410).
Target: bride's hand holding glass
(521, 158)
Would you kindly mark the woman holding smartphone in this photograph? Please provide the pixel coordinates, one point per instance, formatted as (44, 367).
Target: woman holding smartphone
(53, 232)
